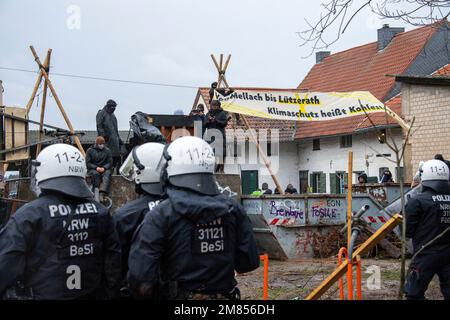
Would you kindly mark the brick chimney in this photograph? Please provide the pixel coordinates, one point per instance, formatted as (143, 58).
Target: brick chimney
(322, 55)
(385, 35)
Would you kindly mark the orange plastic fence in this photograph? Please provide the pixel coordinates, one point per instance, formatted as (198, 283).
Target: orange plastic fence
(344, 254)
(265, 259)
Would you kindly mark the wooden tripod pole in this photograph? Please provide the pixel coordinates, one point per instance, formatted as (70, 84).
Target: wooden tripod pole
(44, 99)
(263, 155)
(58, 102)
(35, 88)
(349, 200)
(221, 69)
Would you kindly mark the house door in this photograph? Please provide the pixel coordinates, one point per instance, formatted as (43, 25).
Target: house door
(249, 180)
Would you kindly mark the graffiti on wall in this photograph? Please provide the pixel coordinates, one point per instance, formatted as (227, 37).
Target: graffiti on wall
(286, 212)
(378, 193)
(252, 206)
(327, 210)
(304, 242)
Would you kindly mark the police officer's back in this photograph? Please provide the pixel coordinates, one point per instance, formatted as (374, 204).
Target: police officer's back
(141, 168)
(427, 223)
(197, 237)
(63, 244)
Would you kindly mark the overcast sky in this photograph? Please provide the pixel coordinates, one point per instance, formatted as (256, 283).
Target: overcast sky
(162, 41)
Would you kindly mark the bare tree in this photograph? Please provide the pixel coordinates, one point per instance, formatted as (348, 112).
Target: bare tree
(399, 151)
(339, 14)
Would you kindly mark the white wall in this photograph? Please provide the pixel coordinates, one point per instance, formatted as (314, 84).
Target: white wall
(331, 158)
(296, 156)
(285, 166)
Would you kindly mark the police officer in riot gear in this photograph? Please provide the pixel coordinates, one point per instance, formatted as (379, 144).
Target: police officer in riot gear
(197, 237)
(427, 223)
(62, 245)
(140, 167)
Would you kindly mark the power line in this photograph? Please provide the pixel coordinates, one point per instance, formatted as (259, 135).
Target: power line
(105, 79)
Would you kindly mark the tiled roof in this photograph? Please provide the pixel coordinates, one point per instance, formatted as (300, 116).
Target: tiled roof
(444, 71)
(361, 68)
(365, 68)
(308, 130)
(286, 128)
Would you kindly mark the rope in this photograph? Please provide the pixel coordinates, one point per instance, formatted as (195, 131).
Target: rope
(172, 85)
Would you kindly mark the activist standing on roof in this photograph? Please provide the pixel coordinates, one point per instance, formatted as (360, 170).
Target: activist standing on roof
(428, 224)
(107, 128)
(141, 168)
(197, 237)
(62, 245)
(215, 122)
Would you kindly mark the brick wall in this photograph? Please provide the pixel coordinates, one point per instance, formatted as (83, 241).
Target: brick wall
(430, 105)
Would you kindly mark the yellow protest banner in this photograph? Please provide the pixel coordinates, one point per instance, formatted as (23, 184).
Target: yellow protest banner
(300, 106)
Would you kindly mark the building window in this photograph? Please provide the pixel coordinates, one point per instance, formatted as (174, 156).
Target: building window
(346, 141)
(399, 173)
(316, 144)
(235, 149)
(318, 182)
(338, 181)
(341, 178)
(303, 175)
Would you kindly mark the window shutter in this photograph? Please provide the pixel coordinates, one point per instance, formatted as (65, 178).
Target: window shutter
(333, 180)
(323, 183)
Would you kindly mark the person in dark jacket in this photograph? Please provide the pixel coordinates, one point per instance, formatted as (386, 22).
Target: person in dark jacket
(107, 128)
(265, 188)
(386, 177)
(197, 236)
(362, 178)
(428, 224)
(215, 122)
(290, 189)
(198, 116)
(99, 163)
(62, 245)
(141, 168)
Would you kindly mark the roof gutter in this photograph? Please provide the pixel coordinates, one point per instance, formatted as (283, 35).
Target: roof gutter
(356, 131)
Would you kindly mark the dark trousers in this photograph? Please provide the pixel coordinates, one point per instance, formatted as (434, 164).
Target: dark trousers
(97, 179)
(422, 271)
(220, 156)
(117, 162)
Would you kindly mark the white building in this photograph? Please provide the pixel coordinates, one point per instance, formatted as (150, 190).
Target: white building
(319, 161)
(315, 153)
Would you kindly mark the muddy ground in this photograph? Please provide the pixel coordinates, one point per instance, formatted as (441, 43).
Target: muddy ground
(295, 279)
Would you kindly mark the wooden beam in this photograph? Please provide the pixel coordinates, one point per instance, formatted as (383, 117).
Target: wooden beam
(33, 93)
(349, 199)
(363, 249)
(215, 62)
(261, 152)
(44, 99)
(58, 102)
(226, 63)
(244, 118)
(397, 118)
